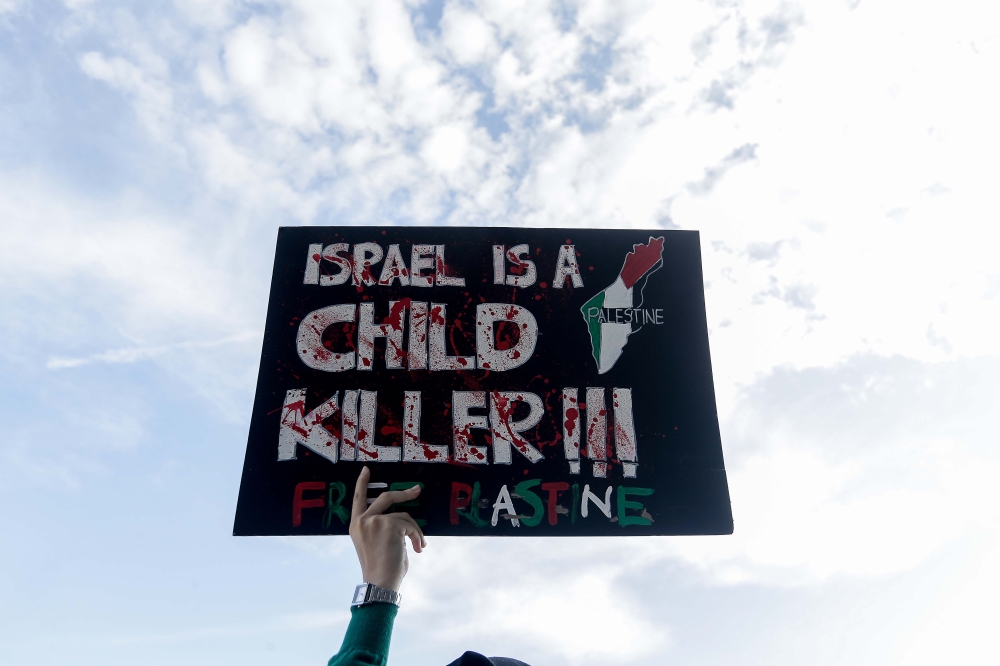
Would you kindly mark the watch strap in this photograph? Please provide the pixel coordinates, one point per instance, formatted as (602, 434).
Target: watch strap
(368, 593)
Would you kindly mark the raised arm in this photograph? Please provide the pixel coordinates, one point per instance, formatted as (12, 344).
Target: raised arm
(380, 541)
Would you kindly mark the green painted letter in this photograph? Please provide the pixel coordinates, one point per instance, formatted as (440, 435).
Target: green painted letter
(523, 489)
(624, 504)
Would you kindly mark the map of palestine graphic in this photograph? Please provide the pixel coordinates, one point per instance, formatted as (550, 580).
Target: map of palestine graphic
(608, 333)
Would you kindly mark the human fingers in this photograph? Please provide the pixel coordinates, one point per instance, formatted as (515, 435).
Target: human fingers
(360, 503)
(390, 497)
(410, 529)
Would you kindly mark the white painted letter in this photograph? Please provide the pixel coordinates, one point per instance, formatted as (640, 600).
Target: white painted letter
(462, 424)
(313, 256)
(499, 360)
(625, 448)
(413, 449)
(566, 267)
(597, 431)
(368, 330)
(349, 426)
(507, 504)
(438, 347)
(506, 431)
(499, 268)
(331, 253)
(367, 451)
(418, 262)
(297, 427)
(442, 277)
(416, 351)
(365, 255)
(571, 429)
(394, 268)
(604, 507)
(309, 340)
(528, 277)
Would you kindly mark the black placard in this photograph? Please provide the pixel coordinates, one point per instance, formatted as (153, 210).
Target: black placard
(427, 353)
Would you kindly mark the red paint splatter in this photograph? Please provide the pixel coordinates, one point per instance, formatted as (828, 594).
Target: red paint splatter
(457, 325)
(640, 260)
(622, 436)
(366, 273)
(571, 419)
(395, 317)
(519, 267)
(349, 330)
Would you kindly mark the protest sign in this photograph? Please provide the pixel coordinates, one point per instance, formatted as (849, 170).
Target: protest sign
(535, 382)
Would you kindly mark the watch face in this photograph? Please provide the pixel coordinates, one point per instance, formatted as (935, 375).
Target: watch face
(359, 594)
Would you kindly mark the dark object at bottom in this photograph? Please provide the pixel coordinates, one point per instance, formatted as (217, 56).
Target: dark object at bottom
(475, 659)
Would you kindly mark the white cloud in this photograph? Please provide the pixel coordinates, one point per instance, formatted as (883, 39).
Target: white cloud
(151, 273)
(801, 519)
(445, 149)
(213, 13)
(467, 36)
(94, 283)
(134, 354)
(953, 626)
(153, 98)
(578, 612)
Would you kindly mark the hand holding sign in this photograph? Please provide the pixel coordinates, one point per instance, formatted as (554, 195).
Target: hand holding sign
(380, 538)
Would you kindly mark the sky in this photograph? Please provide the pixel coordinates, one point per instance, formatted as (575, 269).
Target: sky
(838, 159)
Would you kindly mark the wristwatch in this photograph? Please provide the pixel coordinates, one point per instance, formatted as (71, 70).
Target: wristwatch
(367, 593)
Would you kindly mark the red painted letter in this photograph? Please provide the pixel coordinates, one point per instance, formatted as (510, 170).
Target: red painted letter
(298, 503)
(554, 490)
(457, 501)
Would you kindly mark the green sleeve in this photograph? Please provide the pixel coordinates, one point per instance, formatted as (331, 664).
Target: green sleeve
(366, 642)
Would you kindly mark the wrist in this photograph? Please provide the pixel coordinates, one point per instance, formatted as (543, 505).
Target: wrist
(384, 583)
